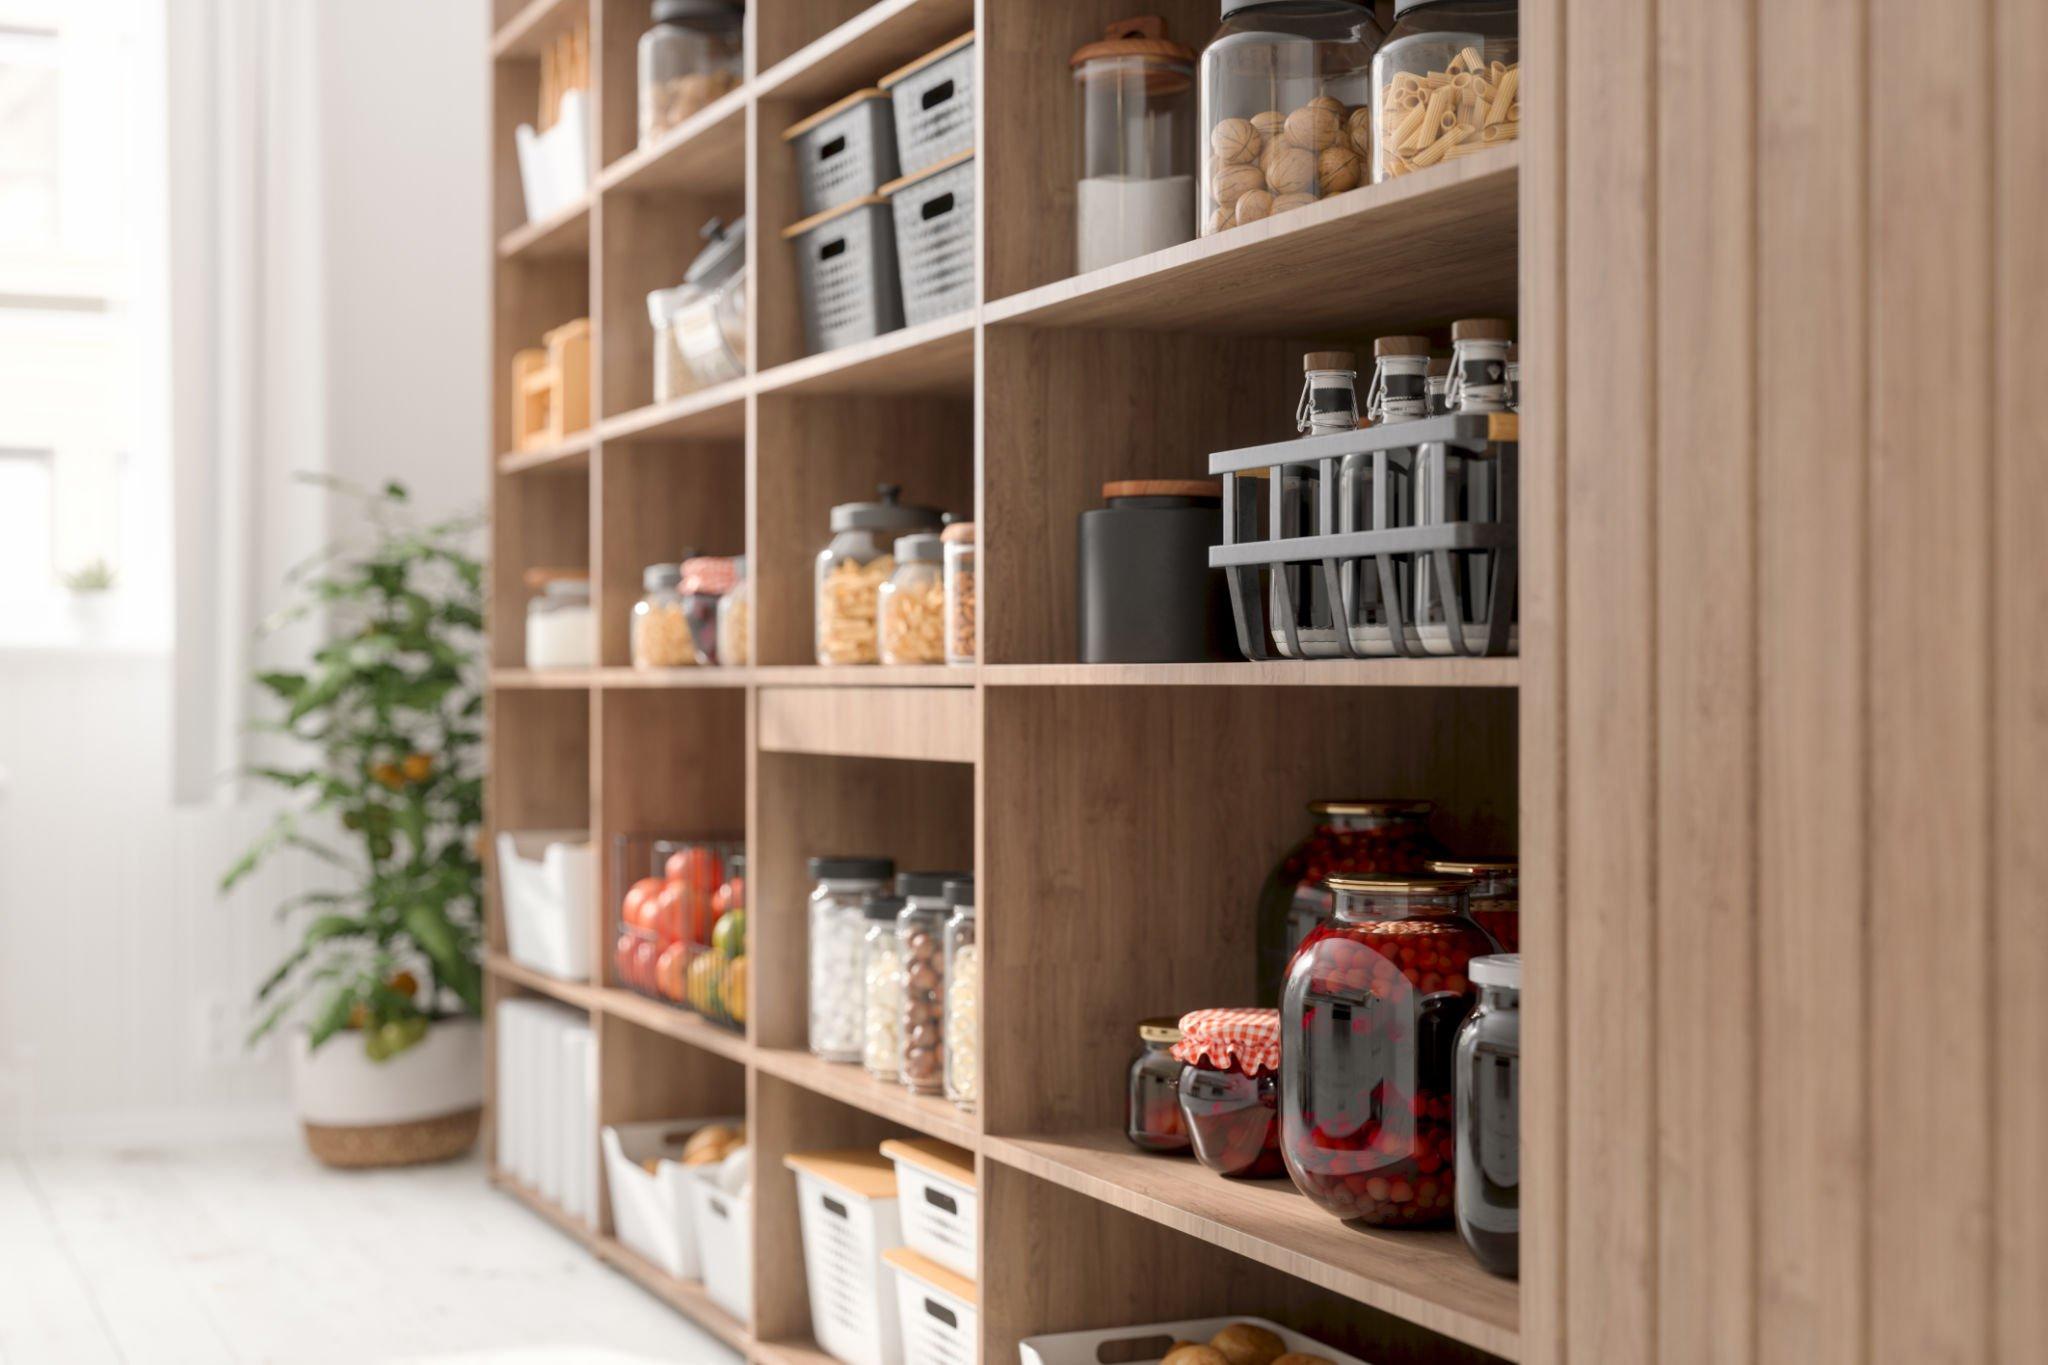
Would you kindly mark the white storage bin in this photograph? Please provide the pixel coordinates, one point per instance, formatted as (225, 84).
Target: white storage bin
(938, 1310)
(547, 877)
(846, 1204)
(651, 1210)
(1145, 1345)
(510, 1120)
(554, 167)
(935, 1192)
(724, 1227)
(579, 1122)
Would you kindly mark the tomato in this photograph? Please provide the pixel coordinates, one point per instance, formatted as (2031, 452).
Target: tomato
(668, 971)
(666, 918)
(622, 956)
(645, 957)
(637, 912)
(731, 895)
(698, 866)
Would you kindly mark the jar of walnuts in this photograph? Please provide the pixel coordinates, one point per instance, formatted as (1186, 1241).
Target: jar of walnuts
(1282, 89)
(852, 568)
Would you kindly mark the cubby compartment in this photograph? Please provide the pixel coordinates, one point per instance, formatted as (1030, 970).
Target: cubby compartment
(650, 238)
(540, 774)
(540, 520)
(815, 47)
(663, 500)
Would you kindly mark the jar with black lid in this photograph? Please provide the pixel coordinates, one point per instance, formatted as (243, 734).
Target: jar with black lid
(1147, 593)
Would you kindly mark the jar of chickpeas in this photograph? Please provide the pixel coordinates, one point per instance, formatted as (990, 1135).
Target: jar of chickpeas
(852, 568)
(910, 609)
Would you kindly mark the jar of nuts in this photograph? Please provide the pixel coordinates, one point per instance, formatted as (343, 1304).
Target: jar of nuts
(963, 998)
(920, 941)
(661, 628)
(910, 608)
(734, 609)
(1446, 84)
(687, 60)
(852, 568)
(1281, 88)
(960, 592)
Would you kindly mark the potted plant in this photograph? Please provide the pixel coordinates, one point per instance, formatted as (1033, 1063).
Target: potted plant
(384, 987)
(91, 586)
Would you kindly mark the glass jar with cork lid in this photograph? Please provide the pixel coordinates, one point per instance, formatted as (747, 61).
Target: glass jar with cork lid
(852, 568)
(1136, 188)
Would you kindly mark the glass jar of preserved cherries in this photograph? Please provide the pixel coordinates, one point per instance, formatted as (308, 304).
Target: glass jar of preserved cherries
(1228, 1095)
(1152, 1117)
(1357, 836)
(836, 930)
(1496, 895)
(1446, 84)
(1489, 1079)
(881, 972)
(1368, 1022)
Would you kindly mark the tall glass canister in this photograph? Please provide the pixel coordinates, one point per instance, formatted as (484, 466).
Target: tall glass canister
(1135, 191)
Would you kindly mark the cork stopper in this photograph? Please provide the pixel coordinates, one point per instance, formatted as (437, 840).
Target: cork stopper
(1392, 346)
(1328, 360)
(1482, 329)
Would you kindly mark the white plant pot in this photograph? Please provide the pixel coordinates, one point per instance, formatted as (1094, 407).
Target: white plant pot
(424, 1104)
(93, 614)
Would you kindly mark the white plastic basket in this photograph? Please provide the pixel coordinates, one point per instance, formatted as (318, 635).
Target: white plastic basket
(554, 166)
(1145, 1345)
(933, 98)
(846, 1204)
(724, 1228)
(933, 215)
(936, 1195)
(651, 1209)
(937, 1309)
(547, 880)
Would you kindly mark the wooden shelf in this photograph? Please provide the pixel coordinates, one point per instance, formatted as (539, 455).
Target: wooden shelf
(791, 1353)
(581, 994)
(566, 232)
(529, 31)
(850, 1085)
(1412, 252)
(671, 1022)
(933, 357)
(705, 154)
(538, 679)
(571, 454)
(879, 39)
(902, 675)
(1269, 673)
(1425, 1277)
(718, 413)
(622, 677)
(932, 724)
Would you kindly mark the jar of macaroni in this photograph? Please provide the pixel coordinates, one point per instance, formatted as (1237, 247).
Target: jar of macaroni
(910, 608)
(1447, 83)
(852, 568)
(961, 588)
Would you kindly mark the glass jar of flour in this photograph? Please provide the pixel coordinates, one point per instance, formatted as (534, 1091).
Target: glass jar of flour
(1136, 192)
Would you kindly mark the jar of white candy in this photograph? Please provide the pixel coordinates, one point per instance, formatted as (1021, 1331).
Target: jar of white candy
(881, 981)
(837, 928)
(963, 998)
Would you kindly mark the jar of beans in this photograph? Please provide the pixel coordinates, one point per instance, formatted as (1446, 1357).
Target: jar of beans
(881, 980)
(1368, 1021)
(837, 928)
(963, 998)
(1229, 1090)
(960, 613)
(1360, 835)
(1496, 895)
(921, 941)
(910, 608)
(1488, 1198)
(1152, 1119)
(852, 568)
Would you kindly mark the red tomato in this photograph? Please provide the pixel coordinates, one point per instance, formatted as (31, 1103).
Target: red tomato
(637, 910)
(645, 956)
(697, 866)
(666, 919)
(730, 896)
(622, 955)
(668, 971)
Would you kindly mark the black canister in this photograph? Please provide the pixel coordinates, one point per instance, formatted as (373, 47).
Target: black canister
(1147, 593)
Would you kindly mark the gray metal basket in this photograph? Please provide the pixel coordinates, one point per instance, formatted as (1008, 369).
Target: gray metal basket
(846, 274)
(844, 152)
(934, 214)
(934, 99)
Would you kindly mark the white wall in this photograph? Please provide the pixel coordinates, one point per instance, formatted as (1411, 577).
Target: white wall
(124, 980)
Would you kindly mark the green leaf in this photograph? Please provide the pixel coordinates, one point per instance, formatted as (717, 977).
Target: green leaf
(332, 1017)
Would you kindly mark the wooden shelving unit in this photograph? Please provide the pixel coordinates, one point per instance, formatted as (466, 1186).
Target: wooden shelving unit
(1119, 819)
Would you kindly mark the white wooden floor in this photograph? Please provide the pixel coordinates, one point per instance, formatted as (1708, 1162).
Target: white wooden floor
(253, 1252)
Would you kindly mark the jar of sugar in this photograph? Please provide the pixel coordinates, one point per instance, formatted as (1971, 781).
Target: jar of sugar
(1136, 191)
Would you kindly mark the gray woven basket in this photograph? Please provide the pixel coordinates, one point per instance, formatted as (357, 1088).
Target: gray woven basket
(934, 216)
(934, 102)
(844, 152)
(846, 275)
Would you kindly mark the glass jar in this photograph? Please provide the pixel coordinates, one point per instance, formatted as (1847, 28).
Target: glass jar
(1446, 84)
(852, 568)
(837, 928)
(963, 998)
(705, 581)
(672, 374)
(712, 309)
(1496, 896)
(561, 631)
(921, 942)
(661, 632)
(733, 610)
(1454, 485)
(1229, 1090)
(960, 592)
(1136, 191)
(1488, 1066)
(687, 60)
(1284, 99)
(1398, 392)
(1368, 1020)
(910, 609)
(881, 971)
(1356, 836)
(1152, 1118)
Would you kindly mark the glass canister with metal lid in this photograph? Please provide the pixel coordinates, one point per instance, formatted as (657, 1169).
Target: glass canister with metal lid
(1446, 84)
(910, 608)
(689, 58)
(852, 568)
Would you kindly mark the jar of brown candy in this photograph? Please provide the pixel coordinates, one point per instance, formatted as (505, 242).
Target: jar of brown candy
(921, 944)
(1360, 835)
(1229, 1090)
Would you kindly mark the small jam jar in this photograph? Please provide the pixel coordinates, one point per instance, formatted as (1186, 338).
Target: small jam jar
(1496, 895)
(1228, 1090)
(1153, 1122)
(1369, 1019)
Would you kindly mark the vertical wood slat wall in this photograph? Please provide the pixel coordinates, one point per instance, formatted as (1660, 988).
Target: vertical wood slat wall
(1785, 706)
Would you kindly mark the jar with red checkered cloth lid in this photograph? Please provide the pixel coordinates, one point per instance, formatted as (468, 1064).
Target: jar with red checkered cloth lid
(1229, 1092)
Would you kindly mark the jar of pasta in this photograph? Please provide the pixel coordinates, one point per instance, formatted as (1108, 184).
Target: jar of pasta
(661, 627)
(1447, 83)
(734, 609)
(910, 608)
(852, 568)
(960, 592)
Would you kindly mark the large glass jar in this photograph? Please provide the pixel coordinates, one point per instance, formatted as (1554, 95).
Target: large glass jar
(1356, 836)
(1152, 1118)
(734, 609)
(852, 568)
(1229, 1090)
(1496, 896)
(672, 374)
(1446, 84)
(910, 609)
(921, 940)
(705, 580)
(711, 311)
(881, 971)
(1136, 191)
(963, 998)
(1368, 1021)
(837, 927)
(1489, 1104)
(661, 631)
(960, 592)
(687, 60)
(1285, 86)
(561, 631)
(1398, 392)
